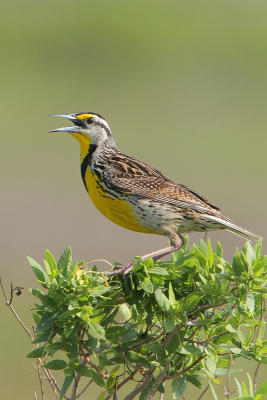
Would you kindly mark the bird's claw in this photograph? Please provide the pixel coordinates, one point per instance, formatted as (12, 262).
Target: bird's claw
(121, 269)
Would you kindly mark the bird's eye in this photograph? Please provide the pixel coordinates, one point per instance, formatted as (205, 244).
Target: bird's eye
(89, 121)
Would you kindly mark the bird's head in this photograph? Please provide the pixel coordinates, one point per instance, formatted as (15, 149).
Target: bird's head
(89, 128)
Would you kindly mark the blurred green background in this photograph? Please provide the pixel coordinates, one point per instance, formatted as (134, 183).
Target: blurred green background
(183, 85)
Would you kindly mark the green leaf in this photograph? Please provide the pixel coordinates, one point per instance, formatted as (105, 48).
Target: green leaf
(134, 357)
(219, 250)
(65, 260)
(147, 286)
(178, 387)
(192, 300)
(210, 364)
(66, 384)
(174, 343)
(250, 302)
(131, 334)
(249, 251)
(158, 271)
(158, 349)
(230, 328)
(210, 257)
(115, 333)
(194, 379)
(37, 353)
(56, 364)
(112, 377)
(169, 324)
(124, 309)
(97, 378)
(171, 295)
(51, 262)
(102, 395)
(47, 268)
(38, 270)
(83, 370)
(190, 349)
(163, 301)
(38, 293)
(244, 398)
(46, 321)
(96, 330)
(36, 318)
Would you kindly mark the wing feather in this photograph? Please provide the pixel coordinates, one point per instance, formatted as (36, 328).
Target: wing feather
(130, 176)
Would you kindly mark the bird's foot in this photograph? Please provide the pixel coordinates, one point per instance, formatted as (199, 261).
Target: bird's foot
(121, 269)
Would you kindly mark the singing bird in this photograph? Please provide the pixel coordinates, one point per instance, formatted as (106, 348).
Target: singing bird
(137, 196)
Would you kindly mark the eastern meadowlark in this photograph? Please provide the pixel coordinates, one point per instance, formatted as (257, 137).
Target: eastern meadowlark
(137, 196)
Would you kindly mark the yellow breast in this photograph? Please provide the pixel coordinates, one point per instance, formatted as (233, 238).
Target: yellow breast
(118, 211)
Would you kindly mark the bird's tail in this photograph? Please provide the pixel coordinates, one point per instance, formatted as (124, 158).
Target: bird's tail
(237, 230)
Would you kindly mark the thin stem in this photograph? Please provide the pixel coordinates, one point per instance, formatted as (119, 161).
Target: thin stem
(84, 389)
(124, 381)
(52, 381)
(115, 395)
(9, 304)
(255, 379)
(75, 387)
(128, 378)
(186, 369)
(159, 380)
(208, 306)
(141, 386)
(227, 387)
(205, 341)
(203, 392)
(47, 372)
(40, 379)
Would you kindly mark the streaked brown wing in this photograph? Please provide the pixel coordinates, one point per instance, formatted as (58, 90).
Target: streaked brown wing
(131, 176)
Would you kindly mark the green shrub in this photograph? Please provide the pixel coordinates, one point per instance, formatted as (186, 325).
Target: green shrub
(166, 321)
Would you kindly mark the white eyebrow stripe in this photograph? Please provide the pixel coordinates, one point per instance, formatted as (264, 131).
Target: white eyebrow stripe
(101, 121)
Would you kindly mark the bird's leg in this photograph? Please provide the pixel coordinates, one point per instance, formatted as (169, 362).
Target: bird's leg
(177, 242)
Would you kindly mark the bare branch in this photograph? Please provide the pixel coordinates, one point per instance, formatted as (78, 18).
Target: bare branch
(255, 378)
(128, 378)
(84, 389)
(9, 304)
(75, 387)
(227, 386)
(208, 306)
(159, 380)
(186, 369)
(40, 379)
(115, 395)
(52, 382)
(205, 341)
(203, 392)
(140, 387)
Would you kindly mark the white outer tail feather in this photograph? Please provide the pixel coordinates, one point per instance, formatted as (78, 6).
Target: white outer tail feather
(237, 230)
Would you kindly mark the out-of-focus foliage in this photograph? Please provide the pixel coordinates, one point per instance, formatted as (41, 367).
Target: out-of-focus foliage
(178, 320)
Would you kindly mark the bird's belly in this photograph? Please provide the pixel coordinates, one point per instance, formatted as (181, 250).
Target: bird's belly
(118, 210)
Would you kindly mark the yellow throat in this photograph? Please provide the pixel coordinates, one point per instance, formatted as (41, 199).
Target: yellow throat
(118, 211)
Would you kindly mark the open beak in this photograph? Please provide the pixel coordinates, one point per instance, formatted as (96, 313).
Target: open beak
(70, 129)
